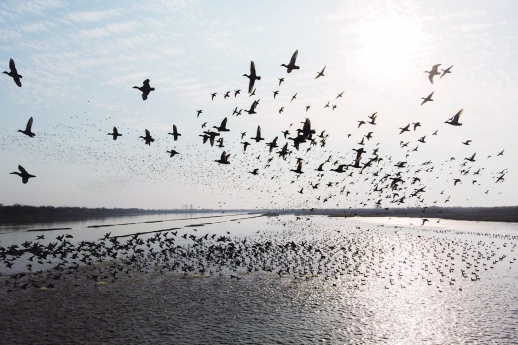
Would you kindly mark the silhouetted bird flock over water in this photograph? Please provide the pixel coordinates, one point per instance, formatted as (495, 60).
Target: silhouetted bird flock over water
(298, 161)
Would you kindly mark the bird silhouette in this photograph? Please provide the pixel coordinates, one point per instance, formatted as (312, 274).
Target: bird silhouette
(445, 71)
(148, 139)
(145, 89)
(252, 77)
(321, 74)
(173, 153)
(291, 66)
(115, 133)
(223, 159)
(272, 144)
(175, 133)
(404, 129)
(252, 108)
(454, 121)
(27, 130)
(13, 73)
(433, 72)
(427, 99)
(23, 174)
(299, 168)
(223, 126)
(257, 137)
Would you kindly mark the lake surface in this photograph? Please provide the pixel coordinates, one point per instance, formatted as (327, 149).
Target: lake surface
(250, 279)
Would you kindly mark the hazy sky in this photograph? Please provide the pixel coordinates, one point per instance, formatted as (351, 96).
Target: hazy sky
(79, 61)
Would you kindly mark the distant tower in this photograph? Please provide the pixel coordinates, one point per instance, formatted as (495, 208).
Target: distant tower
(191, 206)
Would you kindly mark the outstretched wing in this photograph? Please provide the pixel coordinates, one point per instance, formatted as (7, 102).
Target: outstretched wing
(29, 125)
(294, 57)
(12, 66)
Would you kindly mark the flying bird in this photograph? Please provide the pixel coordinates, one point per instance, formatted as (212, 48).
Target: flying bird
(148, 139)
(115, 133)
(145, 89)
(299, 168)
(27, 130)
(454, 121)
(175, 133)
(445, 71)
(427, 99)
(223, 159)
(252, 77)
(13, 73)
(433, 72)
(173, 153)
(23, 174)
(321, 74)
(223, 126)
(291, 66)
(258, 135)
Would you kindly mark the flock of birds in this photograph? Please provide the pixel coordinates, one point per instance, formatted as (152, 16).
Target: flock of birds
(270, 168)
(366, 182)
(348, 255)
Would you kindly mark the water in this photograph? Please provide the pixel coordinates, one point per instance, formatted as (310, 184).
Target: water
(321, 280)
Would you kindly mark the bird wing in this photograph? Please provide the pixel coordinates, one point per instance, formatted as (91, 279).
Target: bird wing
(114, 129)
(29, 125)
(224, 123)
(323, 69)
(12, 66)
(258, 131)
(252, 69)
(294, 57)
(22, 170)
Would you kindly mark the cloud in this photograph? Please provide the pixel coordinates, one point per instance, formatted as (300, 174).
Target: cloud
(91, 16)
(37, 7)
(479, 26)
(108, 30)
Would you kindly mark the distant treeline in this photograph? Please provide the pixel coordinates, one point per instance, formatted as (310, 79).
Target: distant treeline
(493, 214)
(26, 214)
(23, 213)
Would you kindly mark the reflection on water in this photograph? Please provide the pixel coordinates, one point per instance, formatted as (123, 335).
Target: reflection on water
(275, 280)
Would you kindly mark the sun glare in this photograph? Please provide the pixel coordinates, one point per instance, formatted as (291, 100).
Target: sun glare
(388, 46)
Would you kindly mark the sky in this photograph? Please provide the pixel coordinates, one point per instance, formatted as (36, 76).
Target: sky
(79, 61)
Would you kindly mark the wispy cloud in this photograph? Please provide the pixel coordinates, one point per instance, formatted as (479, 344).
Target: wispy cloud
(108, 30)
(25, 7)
(91, 16)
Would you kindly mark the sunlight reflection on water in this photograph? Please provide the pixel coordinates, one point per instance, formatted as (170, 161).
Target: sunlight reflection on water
(441, 283)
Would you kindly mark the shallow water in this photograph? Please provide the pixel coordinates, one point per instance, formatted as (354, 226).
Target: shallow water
(354, 281)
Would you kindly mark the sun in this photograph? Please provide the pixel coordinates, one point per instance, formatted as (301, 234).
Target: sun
(389, 45)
